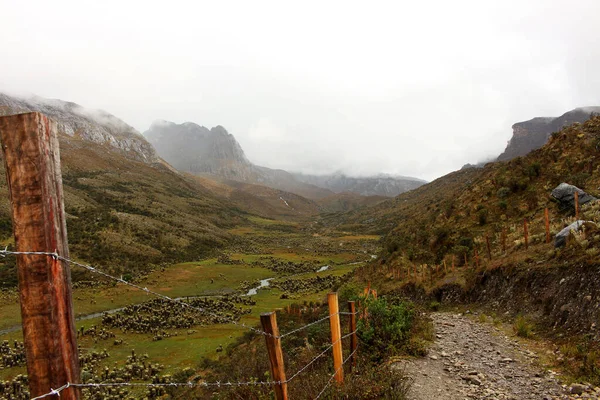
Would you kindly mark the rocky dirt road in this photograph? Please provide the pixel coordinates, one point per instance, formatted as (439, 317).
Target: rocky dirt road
(472, 360)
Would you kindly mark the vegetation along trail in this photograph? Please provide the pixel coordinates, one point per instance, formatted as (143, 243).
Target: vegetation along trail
(474, 360)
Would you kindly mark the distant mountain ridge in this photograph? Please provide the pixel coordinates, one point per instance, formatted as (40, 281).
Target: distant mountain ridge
(75, 121)
(534, 133)
(192, 148)
(378, 185)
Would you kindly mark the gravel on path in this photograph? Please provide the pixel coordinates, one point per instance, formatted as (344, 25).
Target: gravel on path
(472, 360)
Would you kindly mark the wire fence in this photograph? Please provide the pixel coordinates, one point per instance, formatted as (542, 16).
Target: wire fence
(56, 392)
(191, 385)
(180, 302)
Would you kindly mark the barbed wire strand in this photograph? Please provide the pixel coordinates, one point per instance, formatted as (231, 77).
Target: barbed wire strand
(94, 270)
(335, 373)
(307, 325)
(219, 384)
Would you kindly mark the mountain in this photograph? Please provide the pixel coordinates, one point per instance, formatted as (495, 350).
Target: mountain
(127, 210)
(95, 126)
(215, 152)
(533, 134)
(452, 215)
(380, 185)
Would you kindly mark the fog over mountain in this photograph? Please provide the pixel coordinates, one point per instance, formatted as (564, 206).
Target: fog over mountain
(415, 89)
(196, 149)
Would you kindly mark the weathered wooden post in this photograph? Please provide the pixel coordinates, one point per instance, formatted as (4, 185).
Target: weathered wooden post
(269, 324)
(476, 258)
(336, 336)
(32, 161)
(525, 233)
(489, 250)
(353, 337)
(547, 220)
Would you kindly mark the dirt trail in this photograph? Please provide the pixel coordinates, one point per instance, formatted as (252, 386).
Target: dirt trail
(471, 360)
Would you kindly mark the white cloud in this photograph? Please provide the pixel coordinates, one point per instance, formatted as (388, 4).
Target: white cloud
(415, 88)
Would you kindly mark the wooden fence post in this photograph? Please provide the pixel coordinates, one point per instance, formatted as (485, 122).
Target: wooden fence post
(504, 240)
(525, 233)
(577, 205)
(336, 336)
(269, 324)
(489, 250)
(32, 161)
(353, 337)
(547, 220)
(476, 258)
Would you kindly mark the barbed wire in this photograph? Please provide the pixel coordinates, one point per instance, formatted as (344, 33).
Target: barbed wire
(307, 325)
(218, 384)
(94, 270)
(336, 372)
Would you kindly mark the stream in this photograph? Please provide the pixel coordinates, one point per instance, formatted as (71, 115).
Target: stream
(263, 284)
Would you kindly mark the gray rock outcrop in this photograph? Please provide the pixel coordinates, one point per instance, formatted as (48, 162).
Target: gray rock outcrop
(565, 194)
(560, 240)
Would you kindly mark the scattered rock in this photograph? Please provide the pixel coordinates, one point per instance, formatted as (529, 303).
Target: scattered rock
(565, 194)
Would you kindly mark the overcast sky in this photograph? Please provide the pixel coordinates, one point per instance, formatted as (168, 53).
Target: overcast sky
(415, 88)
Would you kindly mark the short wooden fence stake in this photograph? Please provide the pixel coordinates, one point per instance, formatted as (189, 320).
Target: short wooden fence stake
(547, 220)
(336, 336)
(269, 324)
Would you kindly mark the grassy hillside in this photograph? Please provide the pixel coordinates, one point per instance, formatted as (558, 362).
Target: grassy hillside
(452, 215)
(130, 216)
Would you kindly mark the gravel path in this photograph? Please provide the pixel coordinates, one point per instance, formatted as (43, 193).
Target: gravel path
(470, 360)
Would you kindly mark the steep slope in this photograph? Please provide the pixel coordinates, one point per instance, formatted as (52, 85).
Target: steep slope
(125, 213)
(342, 202)
(260, 200)
(380, 185)
(452, 215)
(75, 121)
(533, 134)
(198, 150)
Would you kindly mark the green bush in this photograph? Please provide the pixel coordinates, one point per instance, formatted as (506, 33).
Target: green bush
(522, 327)
(482, 217)
(386, 330)
(503, 192)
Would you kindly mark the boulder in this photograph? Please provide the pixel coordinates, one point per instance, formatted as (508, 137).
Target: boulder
(561, 237)
(565, 194)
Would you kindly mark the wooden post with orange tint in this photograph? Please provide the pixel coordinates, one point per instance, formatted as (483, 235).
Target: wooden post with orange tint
(32, 163)
(336, 336)
(269, 324)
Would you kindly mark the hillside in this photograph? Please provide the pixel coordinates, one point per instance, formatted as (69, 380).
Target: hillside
(380, 185)
(127, 210)
(198, 150)
(342, 202)
(260, 200)
(75, 121)
(452, 214)
(533, 134)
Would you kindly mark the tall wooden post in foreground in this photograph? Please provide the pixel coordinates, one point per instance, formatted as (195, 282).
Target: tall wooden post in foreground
(336, 336)
(32, 161)
(269, 324)
(353, 337)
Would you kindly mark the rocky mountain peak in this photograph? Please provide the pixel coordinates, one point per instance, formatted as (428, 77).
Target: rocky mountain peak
(77, 122)
(196, 149)
(534, 133)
